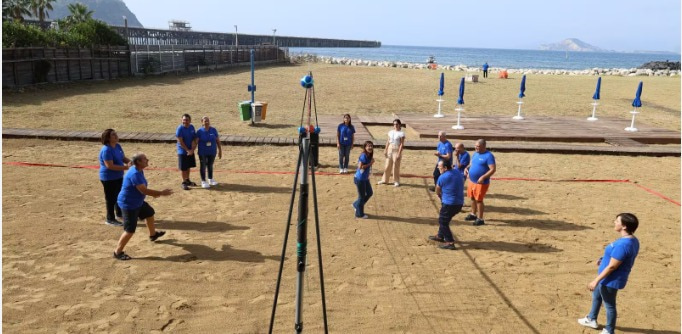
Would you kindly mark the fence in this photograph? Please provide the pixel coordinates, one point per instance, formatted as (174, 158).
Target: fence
(28, 66)
(177, 58)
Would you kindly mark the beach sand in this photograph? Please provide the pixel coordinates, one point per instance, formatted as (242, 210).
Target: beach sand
(216, 269)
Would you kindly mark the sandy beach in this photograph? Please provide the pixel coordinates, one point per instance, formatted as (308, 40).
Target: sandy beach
(215, 271)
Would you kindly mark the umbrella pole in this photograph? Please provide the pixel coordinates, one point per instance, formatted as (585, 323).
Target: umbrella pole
(632, 127)
(459, 111)
(518, 114)
(439, 114)
(594, 109)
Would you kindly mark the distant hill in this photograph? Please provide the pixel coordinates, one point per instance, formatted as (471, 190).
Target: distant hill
(109, 11)
(572, 44)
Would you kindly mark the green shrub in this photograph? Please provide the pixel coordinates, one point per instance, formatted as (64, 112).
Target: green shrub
(84, 34)
(16, 34)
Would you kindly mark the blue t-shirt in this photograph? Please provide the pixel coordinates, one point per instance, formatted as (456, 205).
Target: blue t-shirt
(130, 197)
(207, 141)
(464, 160)
(485, 66)
(443, 149)
(115, 154)
(625, 250)
(345, 133)
(479, 166)
(363, 174)
(451, 184)
(188, 134)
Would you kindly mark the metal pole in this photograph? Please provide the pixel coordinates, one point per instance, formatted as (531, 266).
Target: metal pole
(301, 240)
(273, 36)
(236, 40)
(253, 84)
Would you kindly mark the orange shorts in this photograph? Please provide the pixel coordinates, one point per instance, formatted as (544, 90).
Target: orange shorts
(477, 191)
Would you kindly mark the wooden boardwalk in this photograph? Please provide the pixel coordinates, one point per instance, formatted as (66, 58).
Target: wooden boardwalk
(561, 135)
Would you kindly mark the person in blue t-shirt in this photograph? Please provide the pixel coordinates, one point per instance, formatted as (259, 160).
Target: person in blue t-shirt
(187, 143)
(112, 164)
(443, 152)
(480, 170)
(485, 70)
(132, 203)
(361, 179)
(208, 145)
(462, 157)
(612, 275)
(345, 137)
(449, 188)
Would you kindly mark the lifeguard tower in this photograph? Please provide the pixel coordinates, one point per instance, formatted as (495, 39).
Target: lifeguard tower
(179, 25)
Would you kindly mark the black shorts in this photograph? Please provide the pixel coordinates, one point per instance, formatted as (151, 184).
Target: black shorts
(185, 162)
(130, 217)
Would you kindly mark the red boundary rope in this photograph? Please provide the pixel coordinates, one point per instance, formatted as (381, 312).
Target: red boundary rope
(651, 191)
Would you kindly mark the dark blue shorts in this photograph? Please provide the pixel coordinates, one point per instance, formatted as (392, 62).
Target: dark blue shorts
(185, 162)
(130, 217)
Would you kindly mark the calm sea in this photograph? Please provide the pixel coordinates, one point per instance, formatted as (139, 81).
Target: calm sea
(511, 59)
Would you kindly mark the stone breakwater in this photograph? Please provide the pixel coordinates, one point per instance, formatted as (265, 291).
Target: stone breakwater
(311, 58)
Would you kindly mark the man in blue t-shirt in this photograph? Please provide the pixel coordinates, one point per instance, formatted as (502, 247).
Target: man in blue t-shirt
(132, 203)
(485, 70)
(449, 188)
(480, 170)
(187, 143)
(462, 158)
(443, 152)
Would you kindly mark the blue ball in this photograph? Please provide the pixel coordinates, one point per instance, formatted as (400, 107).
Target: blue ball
(307, 81)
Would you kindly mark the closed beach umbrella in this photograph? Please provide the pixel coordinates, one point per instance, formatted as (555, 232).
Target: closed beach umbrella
(442, 85)
(523, 87)
(637, 102)
(460, 100)
(596, 92)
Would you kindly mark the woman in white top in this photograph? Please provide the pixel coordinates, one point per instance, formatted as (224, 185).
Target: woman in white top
(393, 153)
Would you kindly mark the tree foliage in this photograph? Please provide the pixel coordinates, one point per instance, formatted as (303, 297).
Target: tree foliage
(83, 34)
(15, 9)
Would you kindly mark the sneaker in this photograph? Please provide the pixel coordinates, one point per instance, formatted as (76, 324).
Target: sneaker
(190, 183)
(354, 208)
(396, 184)
(587, 322)
(479, 222)
(205, 185)
(212, 182)
(381, 182)
(340, 170)
(447, 246)
(345, 170)
(156, 235)
(363, 217)
(471, 217)
(185, 186)
(604, 331)
(436, 238)
(113, 222)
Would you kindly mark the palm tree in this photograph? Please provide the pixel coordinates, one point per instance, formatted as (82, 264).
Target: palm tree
(15, 9)
(41, 8)
(79, 13)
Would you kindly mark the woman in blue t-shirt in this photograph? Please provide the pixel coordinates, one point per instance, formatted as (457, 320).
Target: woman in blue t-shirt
(361, 179)
(614, 269)
(345, 137)
(209, 145)
(112, 164)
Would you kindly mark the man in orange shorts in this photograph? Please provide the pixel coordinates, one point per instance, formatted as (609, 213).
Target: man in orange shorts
(481, 168)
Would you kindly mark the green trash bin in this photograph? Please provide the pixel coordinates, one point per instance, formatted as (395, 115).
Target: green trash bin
(245, 110)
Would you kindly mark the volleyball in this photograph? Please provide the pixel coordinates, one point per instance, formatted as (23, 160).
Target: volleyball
(307, 81)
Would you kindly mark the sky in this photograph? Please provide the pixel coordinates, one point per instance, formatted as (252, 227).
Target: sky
(619, 25)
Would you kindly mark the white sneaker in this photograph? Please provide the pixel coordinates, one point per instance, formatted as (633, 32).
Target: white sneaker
(205, 185)
(363, 217)
(604, 331)
(587, 322)
(212, 182)
(397, 184)
(340, 170)
(381, 182)
(345, 170)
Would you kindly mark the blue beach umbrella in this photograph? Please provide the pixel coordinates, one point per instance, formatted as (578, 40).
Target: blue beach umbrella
(442, 85)
(523, 87)
(460, 100)
(637, 102)
(596, 92)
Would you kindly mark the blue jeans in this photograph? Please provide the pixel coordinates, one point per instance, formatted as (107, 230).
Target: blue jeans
(344, 156)
(608, 296)
(206, 162)
(364, 193)
(444, 218)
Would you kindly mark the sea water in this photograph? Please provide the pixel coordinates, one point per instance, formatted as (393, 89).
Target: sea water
(500, 58)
